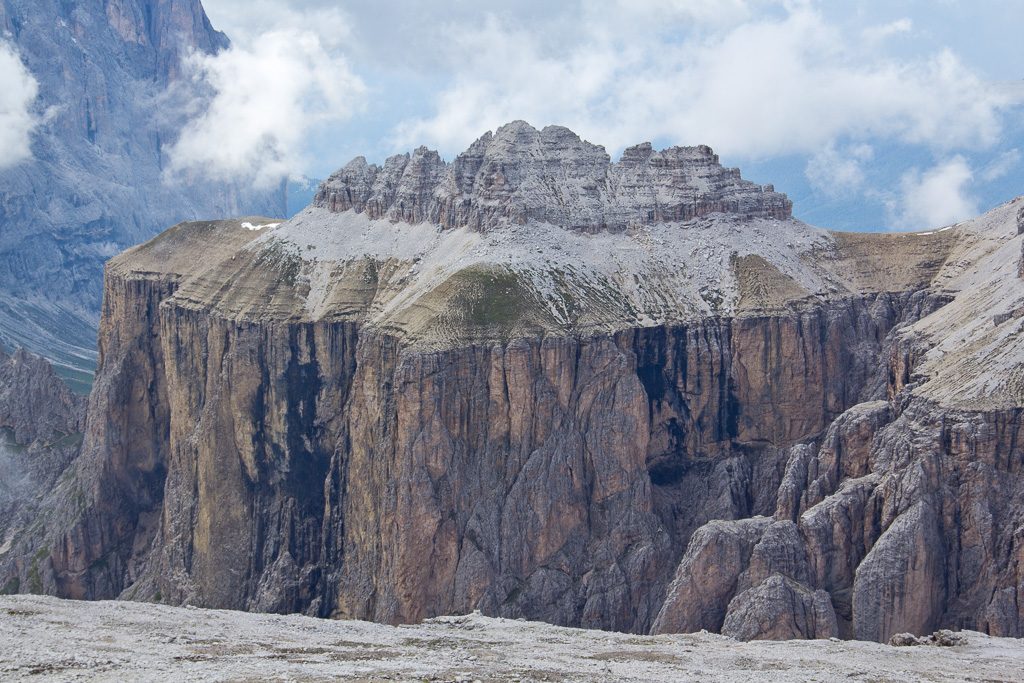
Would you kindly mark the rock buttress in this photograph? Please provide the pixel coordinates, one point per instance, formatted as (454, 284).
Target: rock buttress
(316, 467)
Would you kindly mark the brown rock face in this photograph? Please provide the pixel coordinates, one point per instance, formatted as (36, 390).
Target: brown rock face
(315, 467)
(820, 445)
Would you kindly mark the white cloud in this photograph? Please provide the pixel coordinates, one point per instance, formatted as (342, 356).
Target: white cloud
(839, 172)
(265, 96)
(1002, 165)
(707, 12)
(935, 198)
(812, 84)
(18, 91)
(245, 21)
(876, 34)
(784, 82)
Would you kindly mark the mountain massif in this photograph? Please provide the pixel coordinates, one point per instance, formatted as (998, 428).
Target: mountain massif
(633, 395)
(111, 101)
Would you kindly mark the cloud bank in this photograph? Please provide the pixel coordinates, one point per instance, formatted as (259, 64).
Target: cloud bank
(843, 92)
(937, 197)
(765, 86)
(838, 172)
(18, 91)
(260, 100)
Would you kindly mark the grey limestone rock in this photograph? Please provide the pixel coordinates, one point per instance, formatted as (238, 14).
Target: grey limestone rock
(521, 174)
(905, 640)
(706, 579)
(941, 638)
(780, 608)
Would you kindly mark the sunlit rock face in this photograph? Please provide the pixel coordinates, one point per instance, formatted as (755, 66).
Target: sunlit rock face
(654, 422)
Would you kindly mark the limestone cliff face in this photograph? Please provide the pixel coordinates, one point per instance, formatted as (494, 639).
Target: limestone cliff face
(318, 467)
(355, 416)
(41, 421)
(906, 520)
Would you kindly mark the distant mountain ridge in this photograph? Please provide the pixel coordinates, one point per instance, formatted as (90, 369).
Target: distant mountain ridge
(300, 192)
(96, 183)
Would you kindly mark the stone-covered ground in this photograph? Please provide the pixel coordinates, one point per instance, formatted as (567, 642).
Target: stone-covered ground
(47, 639)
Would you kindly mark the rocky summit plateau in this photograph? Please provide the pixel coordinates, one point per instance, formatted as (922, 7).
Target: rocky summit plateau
(636, 396)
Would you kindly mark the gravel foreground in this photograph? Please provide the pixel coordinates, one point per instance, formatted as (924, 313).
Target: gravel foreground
(48, 639)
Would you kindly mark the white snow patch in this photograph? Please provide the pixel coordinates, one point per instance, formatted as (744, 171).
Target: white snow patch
(249, 226)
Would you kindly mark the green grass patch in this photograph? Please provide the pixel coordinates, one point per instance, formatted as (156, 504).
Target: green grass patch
(491, 299)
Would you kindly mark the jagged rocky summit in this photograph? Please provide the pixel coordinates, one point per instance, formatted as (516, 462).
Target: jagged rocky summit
(474, 386)
(522, 174)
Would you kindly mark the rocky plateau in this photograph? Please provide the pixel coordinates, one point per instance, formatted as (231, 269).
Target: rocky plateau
(58, 640)
(635, 396)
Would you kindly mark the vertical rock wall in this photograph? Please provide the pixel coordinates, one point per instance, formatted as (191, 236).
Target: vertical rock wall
(314, 467)
(736, 474)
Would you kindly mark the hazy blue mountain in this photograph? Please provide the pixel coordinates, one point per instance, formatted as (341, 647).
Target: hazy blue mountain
(300, 191)
(95, 185)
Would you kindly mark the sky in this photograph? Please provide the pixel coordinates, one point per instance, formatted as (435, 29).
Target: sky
(870, 114)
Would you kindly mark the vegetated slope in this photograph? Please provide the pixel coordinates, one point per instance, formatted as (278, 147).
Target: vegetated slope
(109, 105)
(634, 396)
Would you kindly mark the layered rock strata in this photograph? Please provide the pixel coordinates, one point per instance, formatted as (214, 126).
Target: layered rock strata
(736, 423)
(551, 176)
